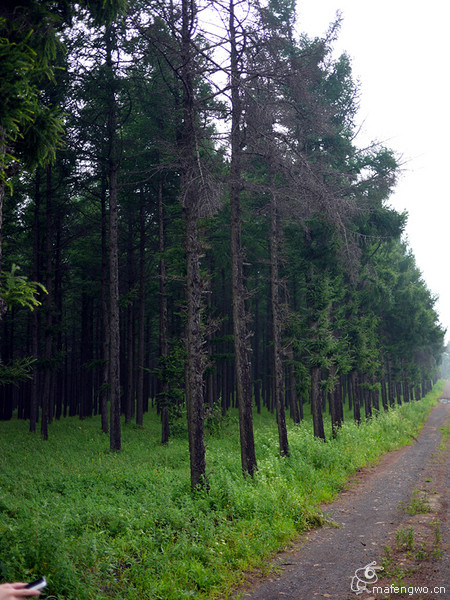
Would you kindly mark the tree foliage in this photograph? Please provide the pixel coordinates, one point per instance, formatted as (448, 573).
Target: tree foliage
(17, 290)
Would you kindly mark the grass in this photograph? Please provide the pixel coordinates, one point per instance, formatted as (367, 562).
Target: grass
(125, 525)
(405, 539)
(445, 430)
(417, 504)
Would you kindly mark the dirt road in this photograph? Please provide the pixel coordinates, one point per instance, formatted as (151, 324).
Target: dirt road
(371, 521)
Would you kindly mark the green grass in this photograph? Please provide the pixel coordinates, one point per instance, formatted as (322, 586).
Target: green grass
(405, 539)
(125, 525)
(417, 504)
(445, 431)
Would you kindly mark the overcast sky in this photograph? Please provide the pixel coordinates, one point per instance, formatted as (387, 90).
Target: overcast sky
(399, 51)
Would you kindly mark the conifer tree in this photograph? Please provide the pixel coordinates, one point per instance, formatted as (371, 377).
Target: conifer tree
(241, 335)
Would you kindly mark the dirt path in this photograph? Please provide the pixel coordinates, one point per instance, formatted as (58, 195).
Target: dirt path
(372, 524)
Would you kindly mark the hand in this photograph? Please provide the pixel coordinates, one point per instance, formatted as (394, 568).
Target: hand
(16, 591)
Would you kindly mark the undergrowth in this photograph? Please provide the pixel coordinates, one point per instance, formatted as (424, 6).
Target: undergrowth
(125, 525)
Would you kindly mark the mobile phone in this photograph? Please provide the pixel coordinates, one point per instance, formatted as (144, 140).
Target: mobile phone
(38, 584)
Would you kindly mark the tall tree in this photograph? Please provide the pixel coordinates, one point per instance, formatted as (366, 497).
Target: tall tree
(163, 320)
(114, 312)
(241, 335)
(191, 200)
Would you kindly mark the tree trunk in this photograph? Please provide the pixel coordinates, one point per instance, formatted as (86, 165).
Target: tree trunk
(86, 344)
(2, 199)
(339, 402)
(104, 389)
(356, 397)
(114, 320)
(334, 398)
(241, 334)
(406, 392)
(114, 326)
(349, 392)
(268, 361)
(316, 404)
(48, 349)
(276, 331)
(375, 394)
(256, 359)
(193, 290)
(34, 401)
(130, 396)
(293, 399)
(194, 361)
(390, 384)
(384, 399)
(163, 322)
(141, 320)
(58, 392)
(367, 398)
(398, 388)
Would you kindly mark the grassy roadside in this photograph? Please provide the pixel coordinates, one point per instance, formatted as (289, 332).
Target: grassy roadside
(104, 525)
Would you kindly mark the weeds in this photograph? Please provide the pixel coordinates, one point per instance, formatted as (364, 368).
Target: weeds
(391, 569)
(405, 539)
(417, 504)
(437, 550)
(422, 553)
(445, 431)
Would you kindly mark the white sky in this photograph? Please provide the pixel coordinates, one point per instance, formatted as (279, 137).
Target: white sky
(400, 52)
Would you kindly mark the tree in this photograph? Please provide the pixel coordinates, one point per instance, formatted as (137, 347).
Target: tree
(241, 335)
(17, 290)
(113, 158)
(191, 191)
(30, 128)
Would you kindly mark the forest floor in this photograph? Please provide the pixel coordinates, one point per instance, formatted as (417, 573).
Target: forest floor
(393, 514)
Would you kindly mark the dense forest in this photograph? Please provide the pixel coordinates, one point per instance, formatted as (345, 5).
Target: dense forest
(187, 212)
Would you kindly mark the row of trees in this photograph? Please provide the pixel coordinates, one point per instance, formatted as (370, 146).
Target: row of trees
(207, 230)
